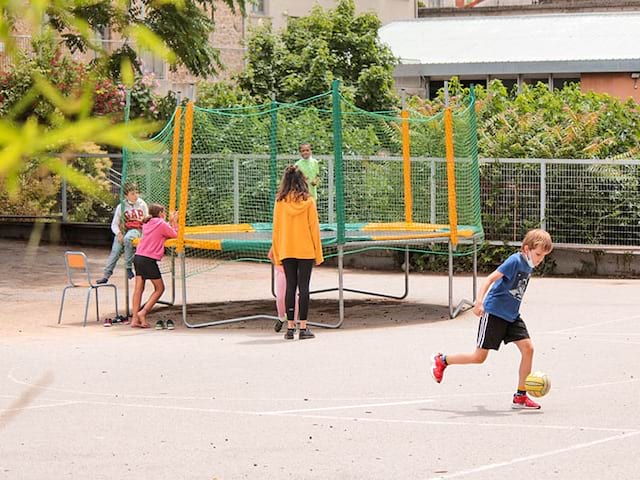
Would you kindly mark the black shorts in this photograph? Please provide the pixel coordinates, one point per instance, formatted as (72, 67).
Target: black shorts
(494, 330)
(146, 267)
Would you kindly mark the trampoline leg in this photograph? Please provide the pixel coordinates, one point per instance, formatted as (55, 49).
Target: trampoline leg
(340, 285)
(126, 293)
(173, 285)
(184, 289)
(453, 312)
(451, 315)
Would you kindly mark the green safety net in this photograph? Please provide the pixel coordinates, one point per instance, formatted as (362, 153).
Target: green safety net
(238, 156)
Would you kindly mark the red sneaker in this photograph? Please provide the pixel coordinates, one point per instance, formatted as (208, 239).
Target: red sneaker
(524, 402)
(437, 367)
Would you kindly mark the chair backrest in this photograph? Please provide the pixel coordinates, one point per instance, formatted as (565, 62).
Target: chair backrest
(76, 262)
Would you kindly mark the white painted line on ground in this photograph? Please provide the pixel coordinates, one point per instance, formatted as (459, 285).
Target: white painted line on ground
(580, 327)
(606, 384)
(550, 453)
(345, 407)
(617, 342)
(580, 428)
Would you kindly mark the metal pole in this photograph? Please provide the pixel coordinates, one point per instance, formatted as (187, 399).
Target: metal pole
(341, 283)
(330, 191)
(236, 192)
(451, 315)
(63, 200)
(543, 195)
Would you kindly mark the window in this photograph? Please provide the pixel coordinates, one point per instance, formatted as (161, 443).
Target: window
(258, 7)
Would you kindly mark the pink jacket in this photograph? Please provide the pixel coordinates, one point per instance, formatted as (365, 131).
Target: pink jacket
(154, 233)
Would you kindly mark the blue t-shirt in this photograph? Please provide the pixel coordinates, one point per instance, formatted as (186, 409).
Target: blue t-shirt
(504, 298)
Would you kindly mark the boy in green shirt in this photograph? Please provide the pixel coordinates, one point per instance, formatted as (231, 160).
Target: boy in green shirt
(311, 169)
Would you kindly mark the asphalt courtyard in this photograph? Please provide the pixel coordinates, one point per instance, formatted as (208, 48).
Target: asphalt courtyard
(240, 402)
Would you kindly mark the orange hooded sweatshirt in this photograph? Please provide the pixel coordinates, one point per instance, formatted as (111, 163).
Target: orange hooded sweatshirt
(296, 231)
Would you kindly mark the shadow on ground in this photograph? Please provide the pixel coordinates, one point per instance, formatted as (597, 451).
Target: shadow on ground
(359, 313)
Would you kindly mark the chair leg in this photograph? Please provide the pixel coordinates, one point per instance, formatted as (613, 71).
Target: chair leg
(86, 307)
(115, 298)
(97, 307)
(64, 292)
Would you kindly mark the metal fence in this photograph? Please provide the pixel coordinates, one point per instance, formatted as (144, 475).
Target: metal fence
(580, 202)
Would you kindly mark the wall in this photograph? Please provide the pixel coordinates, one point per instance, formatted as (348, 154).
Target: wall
(387, 10)
(619, 85)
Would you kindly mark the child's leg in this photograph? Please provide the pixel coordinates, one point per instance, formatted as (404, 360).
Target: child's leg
(158, 286)
(479, 355)
(304, 277)
(114, 255)
(137, 300)
(129, 250)
(281, 290)
(291, 273)
(526, 360)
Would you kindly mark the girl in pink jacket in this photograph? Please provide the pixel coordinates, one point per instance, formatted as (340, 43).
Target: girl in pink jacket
(155, 230)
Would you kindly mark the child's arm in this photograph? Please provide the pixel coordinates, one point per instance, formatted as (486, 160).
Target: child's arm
(173, 220)
(478, 308)
(116, 228)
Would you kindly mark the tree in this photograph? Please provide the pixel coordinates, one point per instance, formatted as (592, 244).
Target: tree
(183, 26)
(44, 140)
(312, 51)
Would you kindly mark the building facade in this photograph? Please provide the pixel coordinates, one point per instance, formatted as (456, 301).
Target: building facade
(278, 12)
(597, 49)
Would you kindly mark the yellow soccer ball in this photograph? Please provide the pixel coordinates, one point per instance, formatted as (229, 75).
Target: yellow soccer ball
(537, 384)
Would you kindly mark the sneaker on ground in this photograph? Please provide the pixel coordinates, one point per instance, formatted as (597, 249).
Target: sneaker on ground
(289, 333)
(523, 402)
(102, 281)
(107, 322)
(437, 367)
(305, 333)
(278, 325)
(159, 325)
(170, 325)
(130, 273)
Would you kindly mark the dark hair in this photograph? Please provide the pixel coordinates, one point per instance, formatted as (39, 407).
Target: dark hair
(293, 184)
(129, 187)
(155, 209)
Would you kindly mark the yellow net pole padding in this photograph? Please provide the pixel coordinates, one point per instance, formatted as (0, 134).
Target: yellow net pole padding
(451, 175)
(184, 183)
(406, 168)
(177, 119)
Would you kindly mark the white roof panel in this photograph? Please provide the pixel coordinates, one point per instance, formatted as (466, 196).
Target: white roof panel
(522, 38)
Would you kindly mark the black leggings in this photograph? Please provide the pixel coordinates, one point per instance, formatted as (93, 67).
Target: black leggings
(297, 271)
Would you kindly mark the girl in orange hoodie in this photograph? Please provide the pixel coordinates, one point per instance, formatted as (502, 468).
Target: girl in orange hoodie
(296, 244)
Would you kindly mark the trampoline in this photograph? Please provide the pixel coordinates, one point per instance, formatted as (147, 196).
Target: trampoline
(407, 183)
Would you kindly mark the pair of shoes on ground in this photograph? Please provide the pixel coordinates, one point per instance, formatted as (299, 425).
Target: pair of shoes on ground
(123, 319)
(103, 280)
(520, 402)
(160, 325)
(304, 334)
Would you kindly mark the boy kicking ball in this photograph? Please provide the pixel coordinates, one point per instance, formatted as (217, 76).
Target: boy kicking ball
(499, 314)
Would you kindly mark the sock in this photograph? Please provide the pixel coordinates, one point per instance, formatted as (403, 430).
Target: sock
(521, 392)
(444, 359)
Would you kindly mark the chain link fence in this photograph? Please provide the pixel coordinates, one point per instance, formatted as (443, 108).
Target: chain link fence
(580, 202)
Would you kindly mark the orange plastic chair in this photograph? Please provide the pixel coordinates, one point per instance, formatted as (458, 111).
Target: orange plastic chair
(78, 266)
